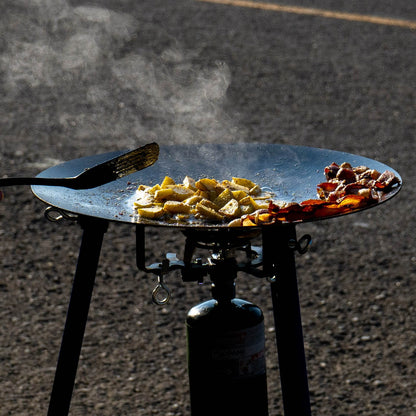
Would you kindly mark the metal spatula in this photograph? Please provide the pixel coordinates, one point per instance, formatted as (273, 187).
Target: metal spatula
(111, 170)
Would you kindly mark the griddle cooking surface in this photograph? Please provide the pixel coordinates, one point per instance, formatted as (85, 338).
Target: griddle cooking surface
(290, 172)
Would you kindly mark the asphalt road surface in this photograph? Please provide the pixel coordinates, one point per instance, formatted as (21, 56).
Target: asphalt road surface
(79, 78)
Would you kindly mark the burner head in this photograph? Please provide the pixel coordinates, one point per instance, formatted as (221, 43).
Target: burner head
(226, 237)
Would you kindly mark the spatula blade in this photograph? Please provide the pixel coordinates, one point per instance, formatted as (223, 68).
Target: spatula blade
(118, 167)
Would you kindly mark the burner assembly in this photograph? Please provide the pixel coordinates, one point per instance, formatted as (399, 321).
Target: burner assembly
(221, 247)
(225, 334)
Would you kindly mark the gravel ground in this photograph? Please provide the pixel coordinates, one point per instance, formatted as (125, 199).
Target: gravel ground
(80, 79)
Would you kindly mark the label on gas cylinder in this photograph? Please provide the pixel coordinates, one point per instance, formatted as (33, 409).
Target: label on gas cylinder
(239, 353)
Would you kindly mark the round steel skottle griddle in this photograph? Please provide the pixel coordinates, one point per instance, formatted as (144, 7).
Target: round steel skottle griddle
(290, 172)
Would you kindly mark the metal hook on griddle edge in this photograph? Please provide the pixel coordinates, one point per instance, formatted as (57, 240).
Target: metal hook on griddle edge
(301, 245)
(54, 214)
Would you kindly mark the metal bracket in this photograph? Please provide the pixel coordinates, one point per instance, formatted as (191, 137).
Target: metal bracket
(301, 245)
(54, 214)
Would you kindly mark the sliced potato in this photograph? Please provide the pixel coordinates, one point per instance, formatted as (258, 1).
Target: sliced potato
(235, 186)
(144, 200)
(246, 209)
(261, 204)
(154, 212)
(208, 213)
(153, 190)
(167, 181)
(206, 184)
(238, 195)
(176, 207)
(231, 209)
(255, 190)
(225, 196)
(163, 194)
(189, 183)
(247, 183)
(248, 200)
(180, 192)
(209, 204)
(193, 200)
(203, 194)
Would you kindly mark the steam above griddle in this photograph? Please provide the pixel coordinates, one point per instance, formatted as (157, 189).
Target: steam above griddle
(76, 74)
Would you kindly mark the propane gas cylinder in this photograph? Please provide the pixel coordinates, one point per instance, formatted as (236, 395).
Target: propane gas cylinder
(226, 355)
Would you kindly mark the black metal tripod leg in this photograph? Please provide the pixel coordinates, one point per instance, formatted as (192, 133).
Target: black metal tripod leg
(77, 315)
(279, 260)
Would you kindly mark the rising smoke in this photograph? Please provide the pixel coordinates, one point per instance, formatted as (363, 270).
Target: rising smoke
(74, 74)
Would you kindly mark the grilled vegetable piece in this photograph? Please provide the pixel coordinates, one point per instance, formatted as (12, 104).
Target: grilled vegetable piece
(163, 194)
(208, 213)
(244, 182)
(153, 212)
(179, 192)
(189, 183)
(145, 200)
(176, 207)
(231, 209)
(223, 198)
(167, 181)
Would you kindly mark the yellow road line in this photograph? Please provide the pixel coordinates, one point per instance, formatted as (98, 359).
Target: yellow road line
(409, 24)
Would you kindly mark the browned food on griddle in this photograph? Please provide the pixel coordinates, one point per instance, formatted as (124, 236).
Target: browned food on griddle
(204, 200)
(346, 189)
(241, 202)
(343, 180)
